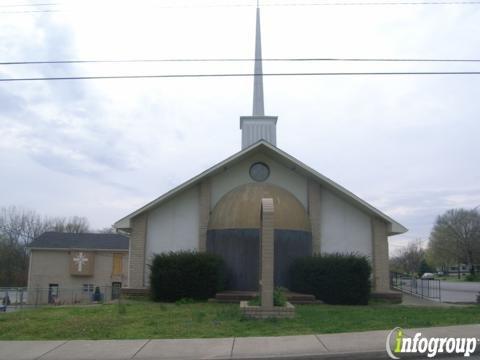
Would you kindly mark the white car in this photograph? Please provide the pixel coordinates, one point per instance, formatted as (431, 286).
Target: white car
(428, 276)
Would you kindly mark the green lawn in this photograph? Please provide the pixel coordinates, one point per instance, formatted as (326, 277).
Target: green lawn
(143, 320)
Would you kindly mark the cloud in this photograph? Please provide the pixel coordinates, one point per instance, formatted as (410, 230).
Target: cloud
(11, 104)
(408, 145)
(61, 125)
(418, 209)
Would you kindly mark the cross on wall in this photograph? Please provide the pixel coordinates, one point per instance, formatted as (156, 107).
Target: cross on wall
(80, 260)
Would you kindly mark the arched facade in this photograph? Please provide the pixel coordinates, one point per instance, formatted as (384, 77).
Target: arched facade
(234, 233)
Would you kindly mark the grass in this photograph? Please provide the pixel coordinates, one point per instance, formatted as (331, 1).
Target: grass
(145, 320)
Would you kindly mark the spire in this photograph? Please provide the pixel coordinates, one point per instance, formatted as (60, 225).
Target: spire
(258, 106)
(258, 127)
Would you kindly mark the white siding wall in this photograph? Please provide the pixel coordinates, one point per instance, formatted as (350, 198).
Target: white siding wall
(174, 225)
(239, 175)
(343, 227)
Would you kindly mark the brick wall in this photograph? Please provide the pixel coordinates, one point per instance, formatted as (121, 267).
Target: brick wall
(314, 205)
(381, 271)
(136, 265)
(204, 213)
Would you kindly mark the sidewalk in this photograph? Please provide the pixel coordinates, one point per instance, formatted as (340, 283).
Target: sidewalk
(359, 345)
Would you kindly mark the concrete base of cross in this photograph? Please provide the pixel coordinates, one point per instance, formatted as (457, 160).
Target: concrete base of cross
(262, 312)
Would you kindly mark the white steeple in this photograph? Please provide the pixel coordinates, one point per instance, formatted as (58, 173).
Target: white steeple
(258, 126)
(258, 106)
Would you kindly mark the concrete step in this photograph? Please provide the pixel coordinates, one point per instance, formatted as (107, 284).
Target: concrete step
(299, 297)
(235, 296)
(310, 302)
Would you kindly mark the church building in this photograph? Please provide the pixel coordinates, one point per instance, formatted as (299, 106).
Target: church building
(65, 268)
(218, 211)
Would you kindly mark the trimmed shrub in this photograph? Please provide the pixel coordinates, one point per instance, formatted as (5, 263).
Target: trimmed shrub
(186, 274)
(333, 278)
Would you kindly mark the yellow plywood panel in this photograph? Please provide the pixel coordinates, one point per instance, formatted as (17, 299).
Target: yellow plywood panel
(117, 264)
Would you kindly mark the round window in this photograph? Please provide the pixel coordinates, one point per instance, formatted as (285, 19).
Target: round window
(259, 171)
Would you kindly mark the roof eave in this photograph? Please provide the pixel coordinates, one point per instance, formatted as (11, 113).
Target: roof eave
(124, 223)
(75, 249)
(395, 228)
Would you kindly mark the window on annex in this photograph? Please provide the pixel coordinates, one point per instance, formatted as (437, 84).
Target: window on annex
(87, 287)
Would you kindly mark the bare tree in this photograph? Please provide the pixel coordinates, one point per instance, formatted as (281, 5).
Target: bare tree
(13, 264)
(455, 238)
(74, 224)
(19, 227)
(108, 230)
(408, 259)
(77, 224)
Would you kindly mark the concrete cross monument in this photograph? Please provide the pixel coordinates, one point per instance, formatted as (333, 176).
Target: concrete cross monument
(267, 252)
(267, 308)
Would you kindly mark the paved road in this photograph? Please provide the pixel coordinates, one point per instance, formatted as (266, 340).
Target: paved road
(459, 291)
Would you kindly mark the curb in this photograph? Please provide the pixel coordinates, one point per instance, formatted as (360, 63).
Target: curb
(362, 355)
(365, 355)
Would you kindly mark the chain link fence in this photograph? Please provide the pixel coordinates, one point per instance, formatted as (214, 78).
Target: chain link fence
(15, 298)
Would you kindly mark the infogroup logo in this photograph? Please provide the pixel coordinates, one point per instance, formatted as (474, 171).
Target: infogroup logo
(397, 344)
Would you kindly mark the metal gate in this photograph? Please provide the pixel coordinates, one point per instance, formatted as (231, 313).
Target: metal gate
(424, 288)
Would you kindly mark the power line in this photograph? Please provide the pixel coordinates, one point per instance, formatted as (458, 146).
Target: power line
(239, 60)
(31, 11)
(101, 77)
(270, 4)
(23, 5)
(42, 62)
(377, 3)
(373, 3)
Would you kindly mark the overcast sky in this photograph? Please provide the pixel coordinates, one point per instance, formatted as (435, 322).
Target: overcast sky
(409, 145)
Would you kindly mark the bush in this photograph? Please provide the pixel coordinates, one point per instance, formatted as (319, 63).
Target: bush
(333, 278)
(424, 268)
(472, 277)
(279, 298)
(186, 274)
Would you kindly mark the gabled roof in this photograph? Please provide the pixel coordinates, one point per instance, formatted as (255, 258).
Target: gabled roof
(286, 160)
(57, 240)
